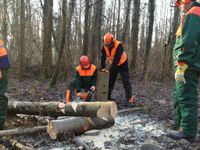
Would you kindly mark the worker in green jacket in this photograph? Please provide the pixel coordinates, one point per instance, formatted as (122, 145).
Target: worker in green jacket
(4, 65)
(187, 70)
(84, 80)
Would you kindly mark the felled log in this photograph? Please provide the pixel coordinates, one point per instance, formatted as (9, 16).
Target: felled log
(57, 129)
(22, 131)
(129, 110)
(54, 109)
(19, 146)
(81, 144)
(102, 86)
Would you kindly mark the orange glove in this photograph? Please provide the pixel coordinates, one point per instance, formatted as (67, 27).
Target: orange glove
(67, 98)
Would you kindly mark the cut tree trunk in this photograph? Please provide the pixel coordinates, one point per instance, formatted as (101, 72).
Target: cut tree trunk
(57, 129)
(85, 109)
(81, 144)
(19, 146)
(102, 86)
(22, 131)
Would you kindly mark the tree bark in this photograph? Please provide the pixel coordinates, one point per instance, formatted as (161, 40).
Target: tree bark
(114, 19)
(22, 40)
(102, 86)
(68, 56)
(60, 51)
(47, 35)
(175, 23)
(118, 19)
(96, 31)
(19, 146)
(85, 109)
(22, 131)
(126, 23)
(57, 129)
(86, 28)
(135, 32)
(4, 24)
(151, 9)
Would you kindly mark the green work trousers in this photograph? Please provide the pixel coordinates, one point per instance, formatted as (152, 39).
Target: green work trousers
(3, 98)
(185, 98)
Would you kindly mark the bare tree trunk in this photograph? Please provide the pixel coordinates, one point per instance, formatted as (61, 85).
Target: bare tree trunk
(68, 34)
(22, 40)
(29, 34)
(86, 28)
(126, 23)
(14, 48)
(151, 10)
(135, 32)
(47, 35)
(79, 30)
(96, 31)
(175, 23)
(118, 19)
(60, 51)
(113, 24)
(4, 24)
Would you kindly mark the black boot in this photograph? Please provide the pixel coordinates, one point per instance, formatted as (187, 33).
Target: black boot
(177, 135)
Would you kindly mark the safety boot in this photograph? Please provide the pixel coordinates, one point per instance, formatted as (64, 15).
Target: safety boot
(131, 100)
(177, 135)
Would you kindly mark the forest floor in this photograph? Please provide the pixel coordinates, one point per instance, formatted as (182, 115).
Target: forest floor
(131, 130)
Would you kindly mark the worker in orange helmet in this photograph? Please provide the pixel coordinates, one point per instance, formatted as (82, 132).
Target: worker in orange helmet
(4, 67)
(84, 80)
(186, 54)
(113, 50)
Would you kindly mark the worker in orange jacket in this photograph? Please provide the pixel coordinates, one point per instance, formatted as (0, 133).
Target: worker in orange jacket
(84, 81)
(113, 50)
(4, 66)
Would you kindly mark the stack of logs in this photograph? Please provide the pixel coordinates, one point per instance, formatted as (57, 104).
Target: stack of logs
(89, 115)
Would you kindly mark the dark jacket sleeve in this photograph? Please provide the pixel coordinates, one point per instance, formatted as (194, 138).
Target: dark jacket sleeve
(118, 54)
(191, 37)
(94, 78)
(78, 82)
(103, 58)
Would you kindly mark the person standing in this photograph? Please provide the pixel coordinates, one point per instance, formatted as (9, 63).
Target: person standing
(113, 50)
(187, 71)
(4, 66)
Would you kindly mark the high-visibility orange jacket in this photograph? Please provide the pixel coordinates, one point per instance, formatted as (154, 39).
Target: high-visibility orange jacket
(4, 62)
(111, 55)
(85, 78)
(116, 55)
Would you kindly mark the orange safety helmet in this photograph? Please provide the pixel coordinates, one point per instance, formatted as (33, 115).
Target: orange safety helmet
(108, 38)
(178, 2)
(85, 61)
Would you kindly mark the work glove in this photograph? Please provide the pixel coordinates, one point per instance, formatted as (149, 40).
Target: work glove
(180, 71)
(1, 76)
(83, 96)
(104, 70)
(93, 88)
